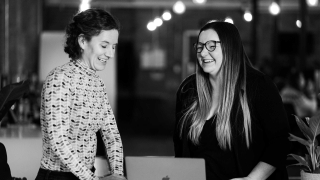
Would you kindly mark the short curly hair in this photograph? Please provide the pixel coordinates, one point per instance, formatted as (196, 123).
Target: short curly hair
(89, 23)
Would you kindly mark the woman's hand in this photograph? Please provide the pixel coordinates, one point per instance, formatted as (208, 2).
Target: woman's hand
(113, 177)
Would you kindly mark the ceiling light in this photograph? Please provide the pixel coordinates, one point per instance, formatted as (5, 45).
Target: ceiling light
(247, 16)
(229, 20)
(274, 8)
(84, 6)
(312, 2)
(85, 1)
(166, 15)
(298, 23)
(199, 1)
(158, 21)
(179, 7)
(151, 26)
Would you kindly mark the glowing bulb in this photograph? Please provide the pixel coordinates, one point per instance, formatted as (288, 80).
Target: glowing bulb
(298, 23)
(151, 26)
(166, 15)
(199, 1)
(84, 6)
(85, 1)
(158, 21)
(179, 7)
(247, 16)
(312, 2)
(229, 20)
(274, 8)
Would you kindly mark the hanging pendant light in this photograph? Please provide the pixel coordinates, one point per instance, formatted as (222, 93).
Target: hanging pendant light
(179, 7)
(274, 8)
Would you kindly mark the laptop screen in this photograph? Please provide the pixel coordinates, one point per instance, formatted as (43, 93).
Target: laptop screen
(164, 168)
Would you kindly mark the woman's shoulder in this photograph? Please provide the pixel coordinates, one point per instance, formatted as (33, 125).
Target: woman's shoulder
(62, 70)
(258, 79)
(187, 89)
(261, 86)
(187, 84)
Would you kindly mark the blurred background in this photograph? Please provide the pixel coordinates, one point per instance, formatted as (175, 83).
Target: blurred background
(154, 55)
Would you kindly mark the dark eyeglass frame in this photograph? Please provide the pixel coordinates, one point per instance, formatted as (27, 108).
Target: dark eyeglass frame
(200, 48)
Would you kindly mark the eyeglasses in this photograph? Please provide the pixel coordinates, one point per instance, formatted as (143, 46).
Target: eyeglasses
(210, 46)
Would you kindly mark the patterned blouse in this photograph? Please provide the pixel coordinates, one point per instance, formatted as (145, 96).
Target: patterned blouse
(74, 106)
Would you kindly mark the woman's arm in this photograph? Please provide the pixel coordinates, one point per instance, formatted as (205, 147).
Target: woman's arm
(112, 140)
(260, 172)
(269, 119)
(185, 95)
(177, 141)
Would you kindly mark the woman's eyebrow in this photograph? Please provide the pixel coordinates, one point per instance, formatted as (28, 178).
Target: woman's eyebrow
(109, 42)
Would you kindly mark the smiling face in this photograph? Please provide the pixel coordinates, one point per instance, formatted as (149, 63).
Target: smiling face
(99, 49)
(210, 62)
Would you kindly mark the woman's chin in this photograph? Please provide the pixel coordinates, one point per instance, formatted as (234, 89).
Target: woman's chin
(100, 67)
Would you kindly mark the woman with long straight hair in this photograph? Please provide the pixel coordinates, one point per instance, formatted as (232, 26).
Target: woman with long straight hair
(229, 113)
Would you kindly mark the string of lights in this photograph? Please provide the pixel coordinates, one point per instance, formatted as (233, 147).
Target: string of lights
(179, 8)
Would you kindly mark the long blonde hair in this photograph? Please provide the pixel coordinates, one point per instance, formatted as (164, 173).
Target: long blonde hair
(233, 79)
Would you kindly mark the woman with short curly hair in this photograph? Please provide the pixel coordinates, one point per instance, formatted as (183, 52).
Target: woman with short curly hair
(74, 103)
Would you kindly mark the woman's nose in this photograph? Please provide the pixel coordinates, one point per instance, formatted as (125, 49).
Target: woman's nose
(109, 52)
(204, 51)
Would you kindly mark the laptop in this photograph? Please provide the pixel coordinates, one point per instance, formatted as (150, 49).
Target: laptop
(164, 168)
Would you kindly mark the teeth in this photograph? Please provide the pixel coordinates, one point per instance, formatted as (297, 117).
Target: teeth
(103, 60)
(207, 61)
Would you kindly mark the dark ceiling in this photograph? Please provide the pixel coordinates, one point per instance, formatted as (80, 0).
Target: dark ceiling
(226, 4)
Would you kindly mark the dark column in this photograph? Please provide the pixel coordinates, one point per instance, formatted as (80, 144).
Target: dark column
(303, 31)
(275, 36)
(254, 29)
(21, 38)
(2, 19)
(4, 40)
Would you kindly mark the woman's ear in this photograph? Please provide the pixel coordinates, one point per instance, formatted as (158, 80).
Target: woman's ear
(81, 41)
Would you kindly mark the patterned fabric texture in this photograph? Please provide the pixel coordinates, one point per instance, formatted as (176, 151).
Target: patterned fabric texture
(74, 106)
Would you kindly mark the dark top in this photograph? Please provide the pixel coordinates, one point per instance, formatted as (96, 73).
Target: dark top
(5, 173)
(209, 150)
(269, 125)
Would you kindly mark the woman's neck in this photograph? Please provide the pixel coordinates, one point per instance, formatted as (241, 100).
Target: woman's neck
(82, 62)
(215, 83)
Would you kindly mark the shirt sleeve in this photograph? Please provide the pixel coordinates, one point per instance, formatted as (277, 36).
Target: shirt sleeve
(272, 117)
(112, 140)
(55, 104)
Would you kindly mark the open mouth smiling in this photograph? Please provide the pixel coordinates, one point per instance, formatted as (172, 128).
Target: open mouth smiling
(102, 60)
(207, 60)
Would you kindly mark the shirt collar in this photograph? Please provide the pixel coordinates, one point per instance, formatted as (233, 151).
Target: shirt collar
(85, 68)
